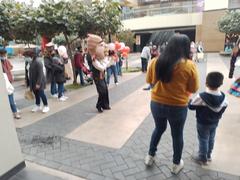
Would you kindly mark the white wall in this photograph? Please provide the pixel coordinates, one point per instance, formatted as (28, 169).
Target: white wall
(215, 4)
(10, 152)
(163, 21)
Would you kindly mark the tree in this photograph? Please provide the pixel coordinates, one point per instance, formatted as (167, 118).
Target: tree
(54, 18)
(16, 22)
(230, 23)
(107, 17)
(126, 36)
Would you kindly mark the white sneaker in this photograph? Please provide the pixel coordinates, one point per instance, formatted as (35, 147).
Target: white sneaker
(116, 83)
(176, 168)
(149, 160)
(65, 97)
(36, 108)
(45, 109)
(55, 95)
(62, 98)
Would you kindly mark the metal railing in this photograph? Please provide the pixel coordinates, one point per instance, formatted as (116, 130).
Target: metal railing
(166, 8)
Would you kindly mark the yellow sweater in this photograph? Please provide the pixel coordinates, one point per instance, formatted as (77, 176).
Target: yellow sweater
(184, 81)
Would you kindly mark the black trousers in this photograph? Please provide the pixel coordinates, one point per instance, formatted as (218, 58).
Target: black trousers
(102, 89)
(232, 66)
(144, 62)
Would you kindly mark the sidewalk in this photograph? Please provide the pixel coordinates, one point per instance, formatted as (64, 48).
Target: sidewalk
(77, 140)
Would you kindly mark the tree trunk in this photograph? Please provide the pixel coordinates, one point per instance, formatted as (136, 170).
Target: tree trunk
(109, 38)
(71, 57)
(126, 63)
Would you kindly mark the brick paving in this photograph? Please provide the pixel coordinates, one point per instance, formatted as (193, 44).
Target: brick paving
(44, 143)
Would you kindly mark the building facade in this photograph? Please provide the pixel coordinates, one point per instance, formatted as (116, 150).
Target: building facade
(156, 20)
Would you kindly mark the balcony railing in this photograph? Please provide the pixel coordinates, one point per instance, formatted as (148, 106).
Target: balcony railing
(166, 8)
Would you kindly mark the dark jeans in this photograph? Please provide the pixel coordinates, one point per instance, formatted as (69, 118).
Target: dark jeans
(144, 62)
(119, 68)
(60, 89)
(53, 88)
(112, 70)
(12, 103)
(40, 94)
(176, 116)
(103, 99)
(232, 67)
(80, 72)
(206, 138)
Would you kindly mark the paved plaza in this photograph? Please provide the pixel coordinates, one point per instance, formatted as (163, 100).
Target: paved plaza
(74, 141)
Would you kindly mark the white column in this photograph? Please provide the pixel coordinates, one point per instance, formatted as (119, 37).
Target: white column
(10, 151)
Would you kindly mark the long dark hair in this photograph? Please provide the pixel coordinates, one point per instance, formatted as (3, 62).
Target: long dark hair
(178, 47)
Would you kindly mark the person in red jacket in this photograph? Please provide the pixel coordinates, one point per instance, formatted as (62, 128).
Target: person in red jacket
(78, 63)
(6, 68)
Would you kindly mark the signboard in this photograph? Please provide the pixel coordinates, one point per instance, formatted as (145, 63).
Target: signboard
(138, 39)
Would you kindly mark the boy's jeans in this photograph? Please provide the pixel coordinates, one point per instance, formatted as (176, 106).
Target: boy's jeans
(206, 138)
(176, 116)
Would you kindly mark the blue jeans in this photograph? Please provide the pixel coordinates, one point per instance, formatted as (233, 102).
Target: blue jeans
(53, 88)
(206, 138)
(110, 70)
(119, 68)
(12, 103)
(176, 116)
(60, 89)
(80, 72)
(40, 94)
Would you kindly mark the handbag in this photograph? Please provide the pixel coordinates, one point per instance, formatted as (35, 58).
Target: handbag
(237, 63)
(9, 86)
(28, 95)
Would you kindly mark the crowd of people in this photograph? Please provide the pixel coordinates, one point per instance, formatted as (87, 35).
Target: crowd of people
(171, 74)
(53, 71)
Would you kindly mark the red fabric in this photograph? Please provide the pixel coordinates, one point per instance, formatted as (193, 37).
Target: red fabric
(78, 60)
(45, 40)
(7, 67)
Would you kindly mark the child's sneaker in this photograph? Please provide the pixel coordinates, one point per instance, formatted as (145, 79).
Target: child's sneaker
(149, 160)
(176, 168)
(45, 109)
(199, 160)
(36, 108)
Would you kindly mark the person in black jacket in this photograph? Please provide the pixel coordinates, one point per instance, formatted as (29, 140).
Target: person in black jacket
(209, 106)
(37, 82)
(59, 75)
(49, 69)
(97, 49)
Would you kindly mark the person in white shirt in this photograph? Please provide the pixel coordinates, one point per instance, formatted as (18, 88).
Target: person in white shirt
(145, 57)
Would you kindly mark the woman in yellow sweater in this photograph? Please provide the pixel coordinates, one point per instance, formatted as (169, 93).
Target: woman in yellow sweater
(174, 77)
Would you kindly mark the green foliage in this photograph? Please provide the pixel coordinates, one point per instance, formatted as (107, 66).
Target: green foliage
(16, 21)
(127, 37)
(24, 22)
(230, 23)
